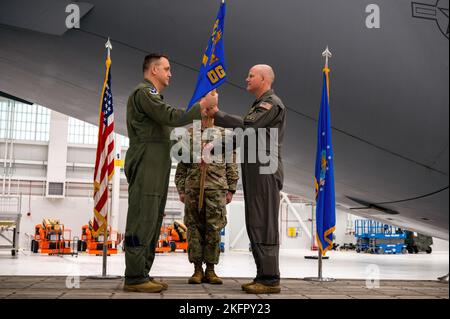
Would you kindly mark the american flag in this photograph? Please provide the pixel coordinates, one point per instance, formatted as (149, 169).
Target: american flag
(104, 162)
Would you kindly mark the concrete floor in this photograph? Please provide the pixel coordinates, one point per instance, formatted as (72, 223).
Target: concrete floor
(340, 265)
(54, 287)
(397, 276)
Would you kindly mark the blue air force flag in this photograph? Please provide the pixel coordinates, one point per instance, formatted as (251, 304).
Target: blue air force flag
(324, 173)
(212, 70)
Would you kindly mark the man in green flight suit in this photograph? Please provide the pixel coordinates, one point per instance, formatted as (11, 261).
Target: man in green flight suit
(261, 183)
(220, 180)
(147, 168)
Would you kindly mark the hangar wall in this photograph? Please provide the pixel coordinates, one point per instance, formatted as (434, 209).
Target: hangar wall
(75, 212)
(24, 168)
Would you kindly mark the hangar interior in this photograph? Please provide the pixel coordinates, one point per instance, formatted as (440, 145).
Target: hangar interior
(47, 162)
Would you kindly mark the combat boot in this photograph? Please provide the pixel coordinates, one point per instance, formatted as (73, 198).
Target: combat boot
(198, 275)
(144, 287)
(163, 284)
(210, 275)
(244, 286)
(258, 288)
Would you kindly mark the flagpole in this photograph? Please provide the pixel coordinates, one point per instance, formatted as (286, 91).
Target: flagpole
(326, 54)
(105, 237)
(319, 277)
(320, 264)
(108, 47)
(204, 165)
(104, 275)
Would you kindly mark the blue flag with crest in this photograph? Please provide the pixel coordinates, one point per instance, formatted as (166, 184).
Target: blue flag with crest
(324, 173)
(212, 70)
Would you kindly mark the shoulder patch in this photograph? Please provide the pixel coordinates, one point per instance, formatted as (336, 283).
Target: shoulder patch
(266, 105)
(152, 91)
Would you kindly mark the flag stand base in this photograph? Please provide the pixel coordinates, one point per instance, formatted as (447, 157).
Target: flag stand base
(443, 279)
(317, 279)
(104, 257)
(316, 257)
(104, 277)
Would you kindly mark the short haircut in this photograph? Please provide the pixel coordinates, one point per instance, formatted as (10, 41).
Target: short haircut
(150, 58)
(266, 71)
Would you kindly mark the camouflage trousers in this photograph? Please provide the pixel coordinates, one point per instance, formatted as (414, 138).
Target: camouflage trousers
(203, 227)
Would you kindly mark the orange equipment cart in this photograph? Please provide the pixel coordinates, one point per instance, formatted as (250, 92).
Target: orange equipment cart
(93, 245)
(52, 238)
(172, 238)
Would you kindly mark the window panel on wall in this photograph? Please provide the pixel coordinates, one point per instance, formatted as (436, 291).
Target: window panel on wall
(42, 123)
(24, 119)
(85, 133)
(76, 130)
(124, 141)
(4, 112)
(82, 132)
(91, 134)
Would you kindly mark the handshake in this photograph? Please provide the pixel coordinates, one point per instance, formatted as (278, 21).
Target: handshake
(208, 104)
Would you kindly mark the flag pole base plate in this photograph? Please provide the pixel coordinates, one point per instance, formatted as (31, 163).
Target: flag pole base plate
(317, 279)
(104, 277)
(443, 279)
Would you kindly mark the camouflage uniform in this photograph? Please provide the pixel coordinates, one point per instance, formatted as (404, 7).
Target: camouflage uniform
(204, 226)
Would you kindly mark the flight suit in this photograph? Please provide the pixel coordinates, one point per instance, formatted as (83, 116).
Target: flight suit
(147, 168)
(261, 191)
(204, 226)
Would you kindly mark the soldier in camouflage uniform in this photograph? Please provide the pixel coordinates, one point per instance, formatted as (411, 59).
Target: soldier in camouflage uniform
(204, 225)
